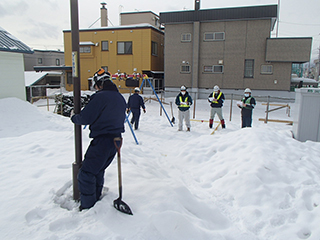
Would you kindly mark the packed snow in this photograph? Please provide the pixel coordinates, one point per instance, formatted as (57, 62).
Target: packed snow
(255, 183)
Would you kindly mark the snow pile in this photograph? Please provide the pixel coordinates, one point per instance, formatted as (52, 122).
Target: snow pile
(238, 184)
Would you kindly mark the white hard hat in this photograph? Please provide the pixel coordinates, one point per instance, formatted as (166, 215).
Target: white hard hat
(247, 90)
(137, 89)
(100, 76)
(183, 88)
(216, 88)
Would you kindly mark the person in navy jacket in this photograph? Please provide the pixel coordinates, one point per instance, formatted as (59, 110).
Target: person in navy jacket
(105, 113)
(135, 102)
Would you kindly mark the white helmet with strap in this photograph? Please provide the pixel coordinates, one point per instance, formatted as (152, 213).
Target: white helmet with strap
(247, 90)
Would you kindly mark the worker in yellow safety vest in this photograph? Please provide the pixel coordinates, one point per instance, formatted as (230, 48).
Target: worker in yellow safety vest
(184, 101)
(216, 100)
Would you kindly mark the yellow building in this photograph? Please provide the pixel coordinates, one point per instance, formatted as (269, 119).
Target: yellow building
(126, 49)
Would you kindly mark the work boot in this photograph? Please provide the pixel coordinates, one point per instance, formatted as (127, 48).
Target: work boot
(188, 129)
(210, 123)
(223, 125)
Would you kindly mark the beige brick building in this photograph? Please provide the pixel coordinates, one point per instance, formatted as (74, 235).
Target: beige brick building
(230, 47)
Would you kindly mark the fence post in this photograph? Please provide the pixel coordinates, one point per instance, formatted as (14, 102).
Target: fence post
(267, 111)
(231, 107)
(194, 108)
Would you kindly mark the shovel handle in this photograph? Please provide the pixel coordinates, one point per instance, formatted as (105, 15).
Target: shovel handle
(118, 142)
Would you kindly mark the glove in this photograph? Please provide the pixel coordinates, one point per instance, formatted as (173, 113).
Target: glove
(210, 99)
(128, 110)
(71, 113)
(144, 111)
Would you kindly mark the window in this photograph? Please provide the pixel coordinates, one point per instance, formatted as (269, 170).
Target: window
(57, 62)
(186, 37)
(154, 48)
(104, 46)
(213, 69)
(39, 60)
(248, 68)
(185, 69)
(213, 36)
(124, 47)
(208, 69)
(86, 49)
(266, 69)
(69, 78)
(218, 69)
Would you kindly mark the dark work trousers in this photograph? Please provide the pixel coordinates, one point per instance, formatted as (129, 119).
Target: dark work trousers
(98, 157)
(135, 117)
(246, 120)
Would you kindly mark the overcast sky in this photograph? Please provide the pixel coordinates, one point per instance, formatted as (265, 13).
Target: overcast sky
(39, 23)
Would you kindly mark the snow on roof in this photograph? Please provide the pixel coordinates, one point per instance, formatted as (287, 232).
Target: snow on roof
(86, 43)
(30, 77)
(305, 80)
(140, 25)
(10, 43)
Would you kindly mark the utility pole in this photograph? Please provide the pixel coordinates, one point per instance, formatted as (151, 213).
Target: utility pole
(76, 94)
(278, 18)
(318, 68)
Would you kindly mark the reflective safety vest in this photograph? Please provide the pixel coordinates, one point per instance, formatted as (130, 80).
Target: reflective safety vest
(217, 97)
(247, 101)
(186, 100)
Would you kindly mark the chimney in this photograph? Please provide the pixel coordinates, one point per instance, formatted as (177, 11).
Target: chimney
(196, 5)
(104, 15)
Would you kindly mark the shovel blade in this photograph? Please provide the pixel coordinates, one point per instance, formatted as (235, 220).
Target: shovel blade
(122, 206)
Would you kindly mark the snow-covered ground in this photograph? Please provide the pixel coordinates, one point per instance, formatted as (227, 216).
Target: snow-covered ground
(237, 184)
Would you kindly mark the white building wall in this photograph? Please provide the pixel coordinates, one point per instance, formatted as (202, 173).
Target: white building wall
(12, 75)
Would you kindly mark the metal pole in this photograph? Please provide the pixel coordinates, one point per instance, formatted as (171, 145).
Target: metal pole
(160, 105)
(278, 18)
(231, 107)
(76, 94)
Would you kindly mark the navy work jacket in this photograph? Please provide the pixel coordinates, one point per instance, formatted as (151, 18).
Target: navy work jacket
(105, 112)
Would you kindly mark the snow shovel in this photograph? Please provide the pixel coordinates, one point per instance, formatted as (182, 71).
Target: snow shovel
(173, 119)
(215, 128)
(118, 203)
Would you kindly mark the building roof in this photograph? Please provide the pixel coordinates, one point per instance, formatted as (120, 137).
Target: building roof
(220, 14)
(31, 78)
(133, 26)
(52, 68)
(124, 13)
(10, 43)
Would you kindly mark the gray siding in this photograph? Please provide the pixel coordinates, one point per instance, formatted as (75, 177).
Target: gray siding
(288, 49)
(243, 40)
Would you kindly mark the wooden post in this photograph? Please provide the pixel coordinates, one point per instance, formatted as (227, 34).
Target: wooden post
(231, 107)
(267, 111)
(194, 108)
